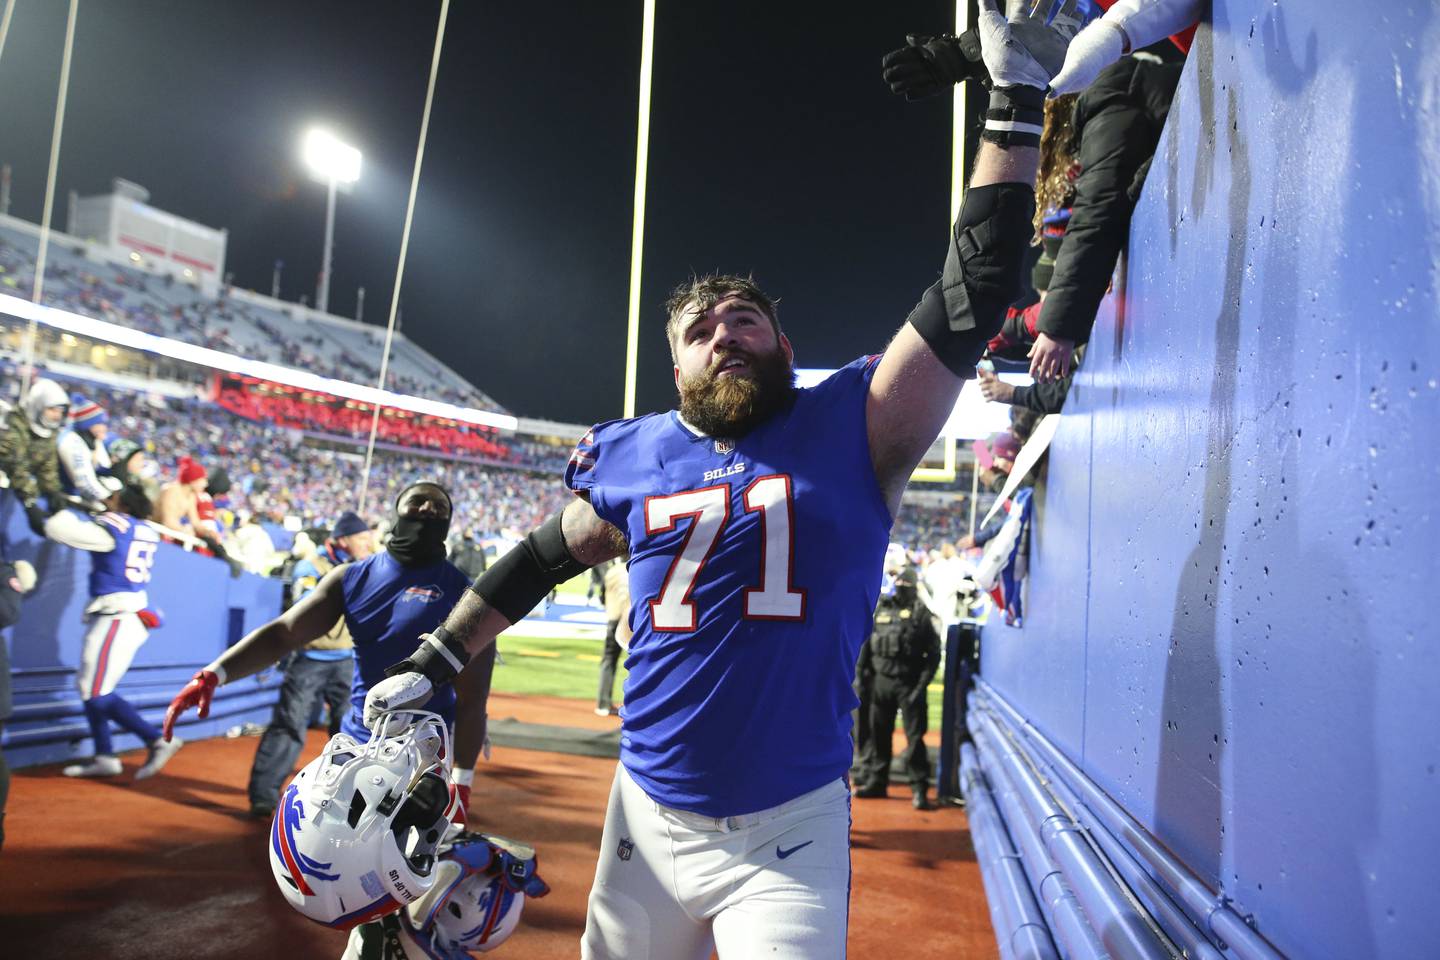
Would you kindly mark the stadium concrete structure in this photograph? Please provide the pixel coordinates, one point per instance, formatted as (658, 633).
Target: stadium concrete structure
(1214, 734)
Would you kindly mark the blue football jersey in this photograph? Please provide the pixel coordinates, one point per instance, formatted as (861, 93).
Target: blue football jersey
(125, 569)
(754, 571)
(387, 607)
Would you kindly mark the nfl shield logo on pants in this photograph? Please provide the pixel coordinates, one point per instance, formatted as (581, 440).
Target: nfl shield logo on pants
(626, 848)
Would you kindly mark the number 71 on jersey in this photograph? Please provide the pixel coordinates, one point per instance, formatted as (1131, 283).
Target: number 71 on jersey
(773, 597)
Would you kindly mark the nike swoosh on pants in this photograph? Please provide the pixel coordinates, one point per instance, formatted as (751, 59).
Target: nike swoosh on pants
(782, 854)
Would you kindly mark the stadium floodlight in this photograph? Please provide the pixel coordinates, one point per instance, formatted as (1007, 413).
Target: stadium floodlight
(330, 158)
(336, 164)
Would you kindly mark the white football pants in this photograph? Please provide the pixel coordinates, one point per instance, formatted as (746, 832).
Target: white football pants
(110, 645)
(672, 885)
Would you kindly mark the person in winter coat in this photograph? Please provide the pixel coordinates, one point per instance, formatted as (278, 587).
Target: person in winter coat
(28, 452)
(83, 456)
(1116, 128)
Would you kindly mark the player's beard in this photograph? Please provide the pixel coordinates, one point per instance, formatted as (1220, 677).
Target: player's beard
(732, 406)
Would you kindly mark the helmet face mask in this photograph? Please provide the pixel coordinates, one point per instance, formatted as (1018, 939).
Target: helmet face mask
(357, 831)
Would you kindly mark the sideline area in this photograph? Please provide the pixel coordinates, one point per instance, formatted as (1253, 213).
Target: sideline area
(100, 868)
(556, 652)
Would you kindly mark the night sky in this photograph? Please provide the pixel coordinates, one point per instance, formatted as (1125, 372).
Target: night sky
(775, 149)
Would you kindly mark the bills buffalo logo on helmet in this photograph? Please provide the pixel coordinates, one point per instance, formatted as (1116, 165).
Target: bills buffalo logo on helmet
(283, 828)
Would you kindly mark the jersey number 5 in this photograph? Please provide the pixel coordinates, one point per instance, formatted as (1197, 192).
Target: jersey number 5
(708, 509)
(139, 561)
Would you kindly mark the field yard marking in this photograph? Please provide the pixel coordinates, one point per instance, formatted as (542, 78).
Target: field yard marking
(547, 654)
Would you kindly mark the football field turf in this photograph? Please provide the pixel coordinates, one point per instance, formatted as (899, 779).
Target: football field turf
(563, 667)
(554, 667)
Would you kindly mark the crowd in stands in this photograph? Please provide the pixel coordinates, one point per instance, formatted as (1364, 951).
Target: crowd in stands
(275, 474)
(926, 527)
(161, 306)
(339, 418)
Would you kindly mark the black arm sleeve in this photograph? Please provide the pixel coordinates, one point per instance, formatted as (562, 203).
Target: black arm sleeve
(526, 575)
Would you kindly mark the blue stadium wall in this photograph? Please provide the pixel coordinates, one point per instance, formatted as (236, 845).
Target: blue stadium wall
(1231, 624)
(205, 610)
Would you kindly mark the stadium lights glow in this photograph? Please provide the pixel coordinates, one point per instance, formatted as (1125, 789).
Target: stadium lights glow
(329, 158)
(68, 322)
(337, 165)
(974, 417)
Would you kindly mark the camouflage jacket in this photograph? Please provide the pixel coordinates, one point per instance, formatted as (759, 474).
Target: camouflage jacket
(32, 463)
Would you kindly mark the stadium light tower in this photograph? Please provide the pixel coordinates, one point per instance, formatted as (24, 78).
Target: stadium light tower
(337, 165)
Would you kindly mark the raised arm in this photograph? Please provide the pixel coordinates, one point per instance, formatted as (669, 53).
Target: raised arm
(307, 620)
(920, 375)
(915, 386)
(68, 528)
(565, 545)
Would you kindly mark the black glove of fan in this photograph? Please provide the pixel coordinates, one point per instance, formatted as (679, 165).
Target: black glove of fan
(931, 65)
(36, 516)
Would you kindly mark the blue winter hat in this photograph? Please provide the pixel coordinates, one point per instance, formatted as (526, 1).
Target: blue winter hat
(86, 413)
(349, 524)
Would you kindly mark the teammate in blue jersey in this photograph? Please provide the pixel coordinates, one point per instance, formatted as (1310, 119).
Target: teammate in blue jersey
(122, 549)
(756, 520)
(385, 599)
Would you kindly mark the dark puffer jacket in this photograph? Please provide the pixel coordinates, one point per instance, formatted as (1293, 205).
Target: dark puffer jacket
(1118, 121)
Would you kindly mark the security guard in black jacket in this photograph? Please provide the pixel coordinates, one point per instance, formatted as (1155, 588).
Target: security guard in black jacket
(897, 663)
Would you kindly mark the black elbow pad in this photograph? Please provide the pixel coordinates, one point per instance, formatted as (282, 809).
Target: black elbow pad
(526, 575)
(982, 276)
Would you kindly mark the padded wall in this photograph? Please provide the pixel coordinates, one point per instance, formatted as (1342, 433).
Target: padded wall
(1230, 619)
(205, 610)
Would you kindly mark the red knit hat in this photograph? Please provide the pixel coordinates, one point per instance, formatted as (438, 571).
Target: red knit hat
(190, 471)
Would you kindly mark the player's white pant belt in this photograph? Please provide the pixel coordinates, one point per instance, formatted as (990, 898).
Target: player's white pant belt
(697, 821)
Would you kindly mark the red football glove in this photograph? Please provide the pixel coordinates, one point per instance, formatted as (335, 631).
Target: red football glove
(196, 693)
(151, 619)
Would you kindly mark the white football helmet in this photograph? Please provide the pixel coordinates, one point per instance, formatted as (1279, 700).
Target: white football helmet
(356, 832)
(479, 894)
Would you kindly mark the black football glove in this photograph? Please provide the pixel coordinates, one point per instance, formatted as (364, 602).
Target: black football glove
(36, 515)
(930, 65)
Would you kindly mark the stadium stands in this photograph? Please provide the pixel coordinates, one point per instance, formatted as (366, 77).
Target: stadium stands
(238, 322)
(280, 472)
